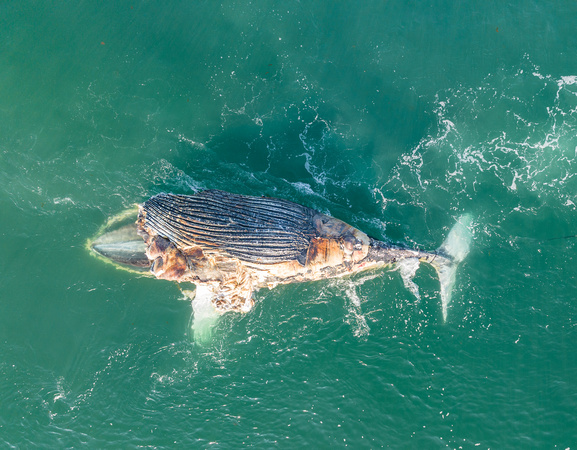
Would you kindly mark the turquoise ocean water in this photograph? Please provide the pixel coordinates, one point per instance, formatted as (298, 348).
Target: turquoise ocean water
(397, 117)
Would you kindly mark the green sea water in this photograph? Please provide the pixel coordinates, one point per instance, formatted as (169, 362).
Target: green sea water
(397, 117)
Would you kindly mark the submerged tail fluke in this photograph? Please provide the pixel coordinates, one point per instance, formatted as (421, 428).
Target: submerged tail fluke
(452, 252)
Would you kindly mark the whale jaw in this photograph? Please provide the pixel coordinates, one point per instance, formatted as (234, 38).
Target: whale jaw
(120, 243)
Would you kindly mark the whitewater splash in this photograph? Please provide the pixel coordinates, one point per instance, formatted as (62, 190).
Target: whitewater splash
(456, 248)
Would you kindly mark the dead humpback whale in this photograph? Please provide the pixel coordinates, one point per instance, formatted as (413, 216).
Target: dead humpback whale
(234, 244)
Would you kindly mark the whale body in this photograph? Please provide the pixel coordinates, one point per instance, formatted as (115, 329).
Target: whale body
(231, 245)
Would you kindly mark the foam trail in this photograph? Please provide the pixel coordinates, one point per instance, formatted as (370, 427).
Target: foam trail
(204, 314)
(456, 247)
(355, 316)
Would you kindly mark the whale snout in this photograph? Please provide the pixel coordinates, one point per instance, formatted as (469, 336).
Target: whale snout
(122, 245)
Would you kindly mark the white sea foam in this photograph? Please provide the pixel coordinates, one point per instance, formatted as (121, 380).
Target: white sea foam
(63, 200)
(354, 315)
(304, 188)
(567, 80)
(517, 127)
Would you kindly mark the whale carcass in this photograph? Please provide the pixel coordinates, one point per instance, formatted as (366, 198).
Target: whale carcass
(234, 244)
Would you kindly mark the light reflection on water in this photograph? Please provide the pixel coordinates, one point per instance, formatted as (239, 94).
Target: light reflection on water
(398, 124)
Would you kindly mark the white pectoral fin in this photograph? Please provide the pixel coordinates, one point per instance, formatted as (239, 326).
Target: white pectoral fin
(205, 315)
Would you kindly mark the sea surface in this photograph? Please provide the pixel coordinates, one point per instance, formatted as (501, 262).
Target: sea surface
(397, 117)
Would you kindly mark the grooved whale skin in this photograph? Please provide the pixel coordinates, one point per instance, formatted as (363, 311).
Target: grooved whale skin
(252, 229)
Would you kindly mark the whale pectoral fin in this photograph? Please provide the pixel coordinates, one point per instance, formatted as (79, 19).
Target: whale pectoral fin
(205, 316)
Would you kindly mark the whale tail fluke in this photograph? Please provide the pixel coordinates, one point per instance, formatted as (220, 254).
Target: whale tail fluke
(450, 254)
